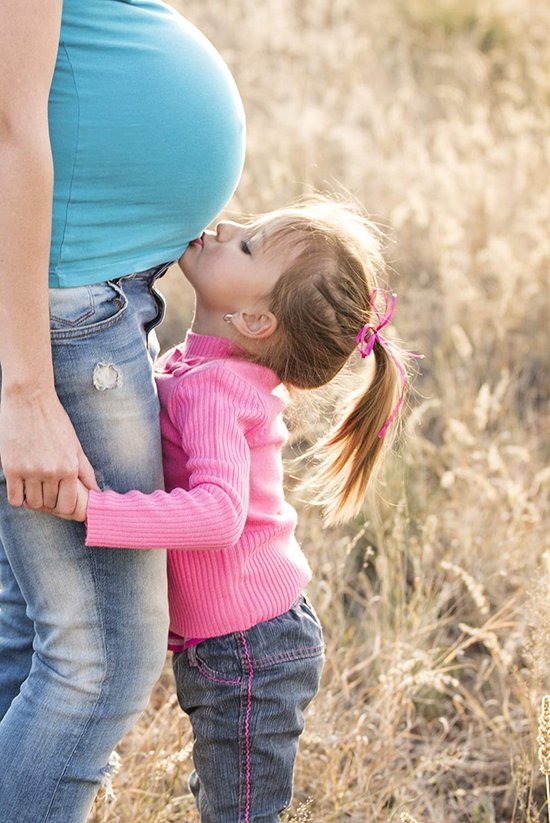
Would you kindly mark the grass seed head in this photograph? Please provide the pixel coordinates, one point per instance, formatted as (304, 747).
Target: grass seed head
(543, 737)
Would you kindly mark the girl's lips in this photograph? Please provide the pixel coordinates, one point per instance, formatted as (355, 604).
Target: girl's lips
(199, 241)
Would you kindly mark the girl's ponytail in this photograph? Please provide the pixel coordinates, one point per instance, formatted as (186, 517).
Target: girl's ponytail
(347, 457)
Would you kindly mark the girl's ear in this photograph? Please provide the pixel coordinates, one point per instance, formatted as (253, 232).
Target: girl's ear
(254, 326)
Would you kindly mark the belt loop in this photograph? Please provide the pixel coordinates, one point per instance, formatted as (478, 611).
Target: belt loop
(192, 656)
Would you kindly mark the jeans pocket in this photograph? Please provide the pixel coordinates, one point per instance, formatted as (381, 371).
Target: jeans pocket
(294, 635)
(81, 310)
(218, 659)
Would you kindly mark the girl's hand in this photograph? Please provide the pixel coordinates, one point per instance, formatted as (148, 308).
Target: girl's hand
(82, 494)
(79, 513)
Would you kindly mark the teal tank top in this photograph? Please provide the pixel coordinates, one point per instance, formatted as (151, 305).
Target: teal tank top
(147, 133)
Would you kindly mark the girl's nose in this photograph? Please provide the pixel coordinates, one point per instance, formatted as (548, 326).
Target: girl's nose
(225, 230)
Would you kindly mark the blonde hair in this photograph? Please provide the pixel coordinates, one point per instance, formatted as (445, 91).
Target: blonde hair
(321, 301)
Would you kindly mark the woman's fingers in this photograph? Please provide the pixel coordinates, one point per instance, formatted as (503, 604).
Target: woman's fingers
(33, 494)
(67, 497)
(41, 454)
(49, 494)
(15, 490)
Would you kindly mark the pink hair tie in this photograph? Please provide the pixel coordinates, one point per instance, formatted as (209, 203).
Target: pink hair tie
(370, 334)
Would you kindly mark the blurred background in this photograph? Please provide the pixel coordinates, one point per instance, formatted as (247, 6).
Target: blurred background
(435, 115)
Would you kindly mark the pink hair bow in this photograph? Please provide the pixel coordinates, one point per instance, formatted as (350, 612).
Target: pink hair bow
(370, 334)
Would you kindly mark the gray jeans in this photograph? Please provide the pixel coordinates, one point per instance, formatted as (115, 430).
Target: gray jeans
(245, 694)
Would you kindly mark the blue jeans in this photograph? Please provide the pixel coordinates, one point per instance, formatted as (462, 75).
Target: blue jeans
(245, 694)
(82, 631)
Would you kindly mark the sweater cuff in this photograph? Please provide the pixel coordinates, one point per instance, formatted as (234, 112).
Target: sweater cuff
(101, 526)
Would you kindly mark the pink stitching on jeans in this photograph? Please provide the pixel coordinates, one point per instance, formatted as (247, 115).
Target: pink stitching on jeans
(247, 726)
(288, 655)
(215, 679)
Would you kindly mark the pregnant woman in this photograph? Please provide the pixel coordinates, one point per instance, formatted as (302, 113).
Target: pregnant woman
(121, 138)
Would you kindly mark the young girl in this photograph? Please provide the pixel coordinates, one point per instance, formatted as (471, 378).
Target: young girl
(285, 300)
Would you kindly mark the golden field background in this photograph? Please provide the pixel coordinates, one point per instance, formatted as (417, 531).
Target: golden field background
(435, 115)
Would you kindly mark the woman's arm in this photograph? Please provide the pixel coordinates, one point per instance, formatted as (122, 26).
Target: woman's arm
(40, 453)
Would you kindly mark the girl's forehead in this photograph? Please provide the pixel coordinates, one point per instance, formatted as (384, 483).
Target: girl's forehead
(275, 240)
(276, 227)
(280, 236)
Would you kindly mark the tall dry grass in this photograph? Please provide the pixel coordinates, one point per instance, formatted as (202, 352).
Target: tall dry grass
(434, 113)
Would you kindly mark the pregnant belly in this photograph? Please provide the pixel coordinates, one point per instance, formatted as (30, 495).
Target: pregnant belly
(147, 128)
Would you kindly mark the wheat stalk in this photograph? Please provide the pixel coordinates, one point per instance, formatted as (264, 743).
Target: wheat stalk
(543, 741)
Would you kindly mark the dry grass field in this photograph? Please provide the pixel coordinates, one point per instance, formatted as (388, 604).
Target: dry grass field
(435, 115)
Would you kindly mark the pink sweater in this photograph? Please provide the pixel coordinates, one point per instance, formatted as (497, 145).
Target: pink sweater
(234, 560)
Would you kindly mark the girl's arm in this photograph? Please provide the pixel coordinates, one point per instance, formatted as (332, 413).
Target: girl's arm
(209, 516)
(39, 451)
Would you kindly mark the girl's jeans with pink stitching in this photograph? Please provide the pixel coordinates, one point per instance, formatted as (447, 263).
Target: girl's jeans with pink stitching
(245, 694)
(82, 631)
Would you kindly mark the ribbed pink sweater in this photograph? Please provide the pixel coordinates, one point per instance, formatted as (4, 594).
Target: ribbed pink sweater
(234, 560)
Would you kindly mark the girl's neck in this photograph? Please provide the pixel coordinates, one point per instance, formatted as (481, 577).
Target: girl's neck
(214, 325)
(204, 323)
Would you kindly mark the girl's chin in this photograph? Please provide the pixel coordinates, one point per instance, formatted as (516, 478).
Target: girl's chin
(182, 261)
(191, 249)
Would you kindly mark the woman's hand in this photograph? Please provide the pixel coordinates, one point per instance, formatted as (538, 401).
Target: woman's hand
(42, 459)
(81, 505)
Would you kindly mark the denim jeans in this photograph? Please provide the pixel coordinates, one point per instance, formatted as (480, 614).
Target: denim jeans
(245, 694)
(82, 631)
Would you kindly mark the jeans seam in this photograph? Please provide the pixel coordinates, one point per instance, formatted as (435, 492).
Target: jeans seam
(71, 325)
(89, 331)
(291, 654)
(101, 624)
(247, 694)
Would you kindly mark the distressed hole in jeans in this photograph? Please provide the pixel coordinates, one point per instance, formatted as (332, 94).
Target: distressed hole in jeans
(108, 772)
(106, 376)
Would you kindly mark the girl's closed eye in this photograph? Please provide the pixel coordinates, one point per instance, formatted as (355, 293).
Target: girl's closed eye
(245, 247)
